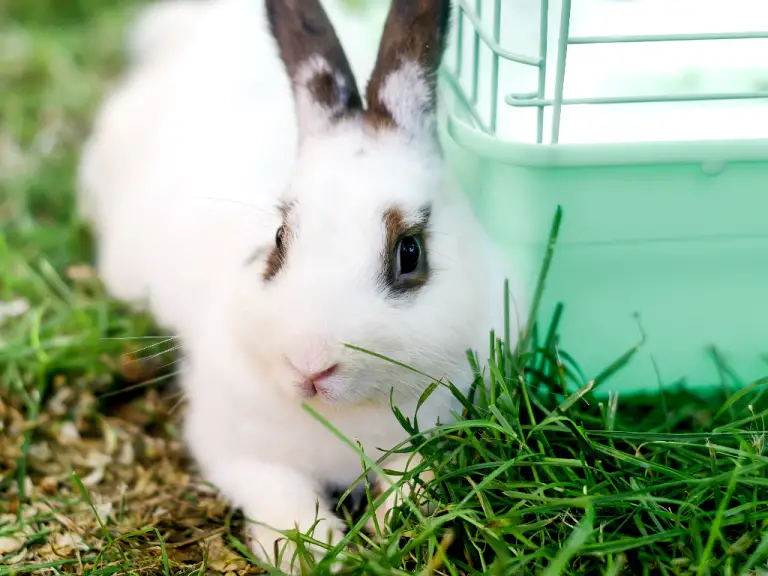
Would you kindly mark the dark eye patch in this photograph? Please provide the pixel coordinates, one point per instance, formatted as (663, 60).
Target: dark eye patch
(405, 263)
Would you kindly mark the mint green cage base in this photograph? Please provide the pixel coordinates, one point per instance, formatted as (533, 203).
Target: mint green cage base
(669, 239)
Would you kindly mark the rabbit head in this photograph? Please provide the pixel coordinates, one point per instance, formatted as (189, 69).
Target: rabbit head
(373, 247)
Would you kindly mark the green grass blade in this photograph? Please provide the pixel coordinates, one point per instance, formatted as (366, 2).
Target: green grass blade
(575, 542)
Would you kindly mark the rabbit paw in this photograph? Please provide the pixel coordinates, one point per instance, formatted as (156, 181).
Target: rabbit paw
(315, 522)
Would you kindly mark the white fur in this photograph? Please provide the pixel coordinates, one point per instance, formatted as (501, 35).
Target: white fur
(163, 28)
(181, 178)
(406, 94)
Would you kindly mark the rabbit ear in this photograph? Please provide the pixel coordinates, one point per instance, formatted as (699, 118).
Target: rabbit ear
(402, 91)
(324, 87)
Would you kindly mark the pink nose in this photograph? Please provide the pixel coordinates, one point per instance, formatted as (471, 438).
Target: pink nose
(313, 383)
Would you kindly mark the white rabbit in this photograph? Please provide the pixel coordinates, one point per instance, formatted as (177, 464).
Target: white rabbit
(244, 191)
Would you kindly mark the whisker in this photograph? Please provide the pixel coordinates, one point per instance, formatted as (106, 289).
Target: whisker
(175, 407)
(138, 338)
(171, 349)
(172, 362)
(152, 345)
(139, 385)
(449, 258)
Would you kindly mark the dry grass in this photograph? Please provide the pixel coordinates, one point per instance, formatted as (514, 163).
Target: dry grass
(97, 477)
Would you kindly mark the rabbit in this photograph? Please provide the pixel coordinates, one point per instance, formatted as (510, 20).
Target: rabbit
(245, 194)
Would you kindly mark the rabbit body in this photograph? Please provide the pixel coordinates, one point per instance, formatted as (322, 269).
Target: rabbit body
(269, 225)
(188, 152)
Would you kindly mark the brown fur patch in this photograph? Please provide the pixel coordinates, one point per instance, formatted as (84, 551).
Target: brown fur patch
(277, 255)
(415, 30)
(302, 30)
(396, 228)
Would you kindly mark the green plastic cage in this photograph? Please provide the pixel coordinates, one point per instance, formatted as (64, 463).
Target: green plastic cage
(647, 122)
(665, 237)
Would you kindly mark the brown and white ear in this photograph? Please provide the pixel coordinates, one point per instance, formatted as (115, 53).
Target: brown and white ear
(402, 91)
(324, 87)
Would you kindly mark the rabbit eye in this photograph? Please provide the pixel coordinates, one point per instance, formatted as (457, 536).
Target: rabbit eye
(276, 256)
(405, 266)
(283, 236)
(408, 255)
(279, 237)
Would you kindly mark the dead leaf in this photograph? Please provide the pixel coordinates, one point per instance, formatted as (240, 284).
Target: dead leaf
(9, 545)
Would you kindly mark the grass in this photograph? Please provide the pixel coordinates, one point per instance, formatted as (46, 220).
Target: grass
(531, 479)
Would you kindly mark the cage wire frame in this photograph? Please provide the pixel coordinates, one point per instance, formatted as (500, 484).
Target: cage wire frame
(565, 40)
